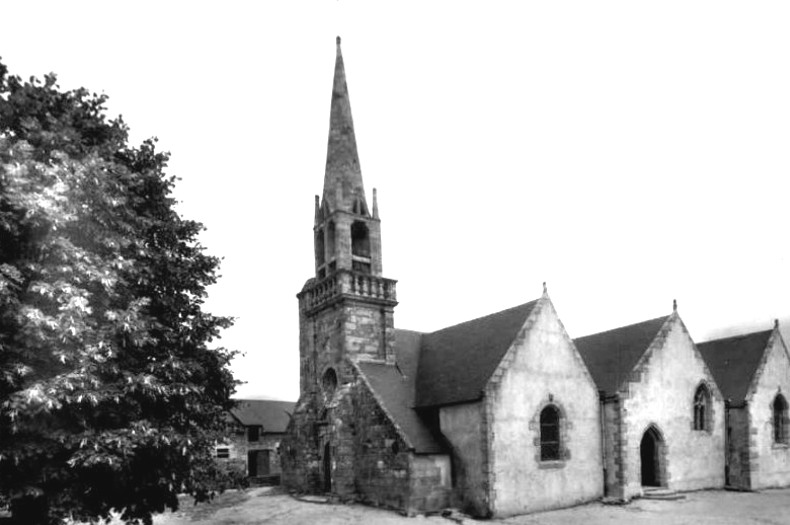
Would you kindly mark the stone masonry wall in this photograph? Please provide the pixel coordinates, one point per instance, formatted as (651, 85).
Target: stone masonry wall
(430, 482)
(369, 461)
(321, 347)
(300, 456)
(382, 460)
(369, 332)
(348, 329)
(738, 473)
(613, 450)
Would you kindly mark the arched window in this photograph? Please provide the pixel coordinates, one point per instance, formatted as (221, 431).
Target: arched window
(360, 247)
(702, 409)
(550, 434)
(780, 419)
(330, 240)
(320, 253)
(329, 382)
(360, 241)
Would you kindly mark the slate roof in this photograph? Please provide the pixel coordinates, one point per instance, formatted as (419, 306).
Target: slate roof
(396, 392)
(456, 362)
(448, 366)
(734, 360)
(611, 356)
(273, 416)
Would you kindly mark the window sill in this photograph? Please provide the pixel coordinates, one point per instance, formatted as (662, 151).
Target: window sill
(780, 446)
(558, 463)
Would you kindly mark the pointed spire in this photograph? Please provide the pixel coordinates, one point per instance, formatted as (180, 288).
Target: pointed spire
(343, 177)
(375, 204)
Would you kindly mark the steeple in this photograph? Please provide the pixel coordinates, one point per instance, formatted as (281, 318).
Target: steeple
(343, 189)
(347, 235)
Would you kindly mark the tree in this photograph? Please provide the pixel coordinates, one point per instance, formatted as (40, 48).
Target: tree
(110, 397)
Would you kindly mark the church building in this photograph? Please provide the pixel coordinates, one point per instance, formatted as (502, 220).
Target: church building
(663, 413)
(753, 371)
(505, 414)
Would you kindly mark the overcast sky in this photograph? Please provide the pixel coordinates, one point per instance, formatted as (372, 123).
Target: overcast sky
(628, 153)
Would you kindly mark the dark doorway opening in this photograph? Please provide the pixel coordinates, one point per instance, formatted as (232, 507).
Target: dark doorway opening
(327, 468)
(649, 452)
(257, 463)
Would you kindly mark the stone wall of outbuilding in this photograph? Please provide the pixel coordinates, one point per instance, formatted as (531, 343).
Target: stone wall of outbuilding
(239, 447)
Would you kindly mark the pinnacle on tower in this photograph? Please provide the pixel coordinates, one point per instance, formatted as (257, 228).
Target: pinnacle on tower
(343, 189)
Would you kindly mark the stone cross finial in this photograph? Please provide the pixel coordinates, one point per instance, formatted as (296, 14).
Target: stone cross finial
(674, 305)
(545, 288)
(776, 323)
(337, 40)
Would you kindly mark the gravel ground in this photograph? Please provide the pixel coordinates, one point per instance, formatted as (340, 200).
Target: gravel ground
(273, 507)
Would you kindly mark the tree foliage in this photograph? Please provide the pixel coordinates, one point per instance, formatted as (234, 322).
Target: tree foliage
(110, 397)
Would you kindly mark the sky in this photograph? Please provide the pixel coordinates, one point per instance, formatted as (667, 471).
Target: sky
(627, 153)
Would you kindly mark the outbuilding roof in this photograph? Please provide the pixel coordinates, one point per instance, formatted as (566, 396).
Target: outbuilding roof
(733, 361)
(272, 415)
(612, 355)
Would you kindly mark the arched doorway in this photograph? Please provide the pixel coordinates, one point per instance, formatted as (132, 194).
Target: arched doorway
(327, 468)
(650, 454)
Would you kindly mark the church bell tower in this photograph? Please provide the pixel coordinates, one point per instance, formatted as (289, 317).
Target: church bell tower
(346, 310)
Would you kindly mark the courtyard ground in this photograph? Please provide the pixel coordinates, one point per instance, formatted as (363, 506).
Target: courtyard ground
(273, 507)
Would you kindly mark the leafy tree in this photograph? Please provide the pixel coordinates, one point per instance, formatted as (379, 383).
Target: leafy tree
(110, 398)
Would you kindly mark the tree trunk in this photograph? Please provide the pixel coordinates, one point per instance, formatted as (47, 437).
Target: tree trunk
(30, 510)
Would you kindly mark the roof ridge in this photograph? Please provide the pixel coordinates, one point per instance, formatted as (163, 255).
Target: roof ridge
(522, 305)
(737, 336)
(654, 319)
(456, 362)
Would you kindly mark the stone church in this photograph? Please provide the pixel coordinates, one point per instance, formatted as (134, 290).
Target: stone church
(507, 414)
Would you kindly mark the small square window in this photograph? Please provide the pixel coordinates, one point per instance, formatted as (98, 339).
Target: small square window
(253, 434)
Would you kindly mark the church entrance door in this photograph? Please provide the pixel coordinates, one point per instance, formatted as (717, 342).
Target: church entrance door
(327, 468)
(651, 459)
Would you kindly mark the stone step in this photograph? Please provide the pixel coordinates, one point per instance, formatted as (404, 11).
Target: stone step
(661, 493)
